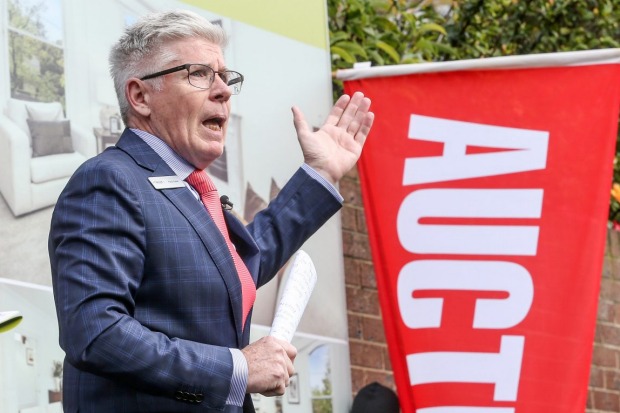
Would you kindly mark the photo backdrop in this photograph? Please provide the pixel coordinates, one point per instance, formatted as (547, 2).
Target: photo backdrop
(54, 63)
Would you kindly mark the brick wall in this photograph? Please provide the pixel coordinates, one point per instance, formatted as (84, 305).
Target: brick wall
(368, 349)
(604, 389)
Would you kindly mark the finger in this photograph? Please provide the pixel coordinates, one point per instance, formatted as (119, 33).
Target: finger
(359, 117)
(364, 130)
(276, 391)
(290, 350)
(351, 110)
(337, 110)
(290, 369)
(299, 120)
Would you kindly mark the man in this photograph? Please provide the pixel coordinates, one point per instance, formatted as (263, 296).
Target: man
(153, 298)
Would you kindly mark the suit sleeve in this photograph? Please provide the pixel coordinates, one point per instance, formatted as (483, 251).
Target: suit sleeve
(97, 249)
(300, 209)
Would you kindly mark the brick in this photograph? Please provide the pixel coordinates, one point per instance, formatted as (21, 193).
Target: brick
(366, 355)
(612, 380)
(607, 289)
(350, 191)
(387, 362)
(358, 379)
(610, 334)
(348, 218)
(352, 174)
(367, 274)
(359, 273)
(606, 401)
(614, 263)
(597, 335)
(606, 311)
(373, 330)
(616, 311)
(385, 378)
(360, 300)
(603, 356)
(613, 248)
(351, 272)
(355, 245)
(589, 402)
(608, 267)
(615, 291)
(361, 221)
(597, 377)
(355, 326)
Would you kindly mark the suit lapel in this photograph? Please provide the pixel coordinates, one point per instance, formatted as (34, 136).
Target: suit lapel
(245, 244)
(195, 212)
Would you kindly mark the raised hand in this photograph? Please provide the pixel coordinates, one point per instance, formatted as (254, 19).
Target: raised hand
(335, 148)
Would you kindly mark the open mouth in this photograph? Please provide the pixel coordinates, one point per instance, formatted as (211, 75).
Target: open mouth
(215, 123)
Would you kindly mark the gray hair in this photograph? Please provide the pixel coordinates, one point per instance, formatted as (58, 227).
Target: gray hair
(143, 44)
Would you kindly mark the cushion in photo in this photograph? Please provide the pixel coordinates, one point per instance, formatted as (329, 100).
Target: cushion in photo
(50, 137)
(44, 111)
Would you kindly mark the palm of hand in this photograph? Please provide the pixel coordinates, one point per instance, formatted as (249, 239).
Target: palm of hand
(331, 149)
(335, 148)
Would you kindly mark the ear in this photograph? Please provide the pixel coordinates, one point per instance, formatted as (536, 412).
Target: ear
(137, 95)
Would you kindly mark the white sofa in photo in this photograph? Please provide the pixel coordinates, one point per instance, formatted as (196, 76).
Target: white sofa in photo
(36, 155)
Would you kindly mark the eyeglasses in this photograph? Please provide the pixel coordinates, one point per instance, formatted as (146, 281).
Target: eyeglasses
(202, 76)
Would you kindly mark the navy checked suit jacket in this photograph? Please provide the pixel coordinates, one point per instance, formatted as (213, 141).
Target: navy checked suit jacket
(147, 296)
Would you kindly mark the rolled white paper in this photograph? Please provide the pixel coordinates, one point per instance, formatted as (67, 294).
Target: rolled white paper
(297, 290)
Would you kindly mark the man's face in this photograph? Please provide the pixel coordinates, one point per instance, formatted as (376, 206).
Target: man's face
(191, 121)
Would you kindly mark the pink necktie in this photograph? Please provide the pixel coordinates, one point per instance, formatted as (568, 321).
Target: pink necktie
(201, 182)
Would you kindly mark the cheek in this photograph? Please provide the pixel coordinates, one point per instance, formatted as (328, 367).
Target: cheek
(172, 118)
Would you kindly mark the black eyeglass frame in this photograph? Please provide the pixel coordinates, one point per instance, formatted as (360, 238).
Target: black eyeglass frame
(186, 66)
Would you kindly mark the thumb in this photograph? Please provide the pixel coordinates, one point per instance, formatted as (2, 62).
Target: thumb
(299, 120)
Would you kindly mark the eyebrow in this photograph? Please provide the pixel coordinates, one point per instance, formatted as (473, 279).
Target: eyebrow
(223, 69)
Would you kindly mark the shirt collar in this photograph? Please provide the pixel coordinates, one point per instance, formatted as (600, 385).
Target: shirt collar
(179, 166)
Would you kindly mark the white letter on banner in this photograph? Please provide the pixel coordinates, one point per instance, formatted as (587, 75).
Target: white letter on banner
(467, 276)
(464, 409)
(502, 369)
(525, 150)
(469, 239)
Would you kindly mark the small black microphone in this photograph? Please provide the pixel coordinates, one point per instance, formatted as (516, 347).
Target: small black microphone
(226, 204)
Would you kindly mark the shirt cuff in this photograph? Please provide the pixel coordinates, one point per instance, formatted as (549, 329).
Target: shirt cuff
(239, 380)
(328, 185)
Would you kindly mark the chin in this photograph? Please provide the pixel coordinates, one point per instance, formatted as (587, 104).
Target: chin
(205, 161)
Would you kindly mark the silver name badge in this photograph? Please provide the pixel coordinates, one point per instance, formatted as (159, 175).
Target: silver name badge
(166, 182)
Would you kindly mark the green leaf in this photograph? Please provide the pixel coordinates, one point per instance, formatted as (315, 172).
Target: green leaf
(376, 57)
(338, 37)
(353, 48)
(335, 50)
(385, 24)
(411, 60)
(389, 50)
(432, 27)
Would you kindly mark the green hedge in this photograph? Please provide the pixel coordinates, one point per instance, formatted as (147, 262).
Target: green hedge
(387, 32)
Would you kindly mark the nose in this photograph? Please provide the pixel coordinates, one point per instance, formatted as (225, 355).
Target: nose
(219, 89)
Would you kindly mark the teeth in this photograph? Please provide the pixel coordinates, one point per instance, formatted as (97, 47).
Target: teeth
(213, 124)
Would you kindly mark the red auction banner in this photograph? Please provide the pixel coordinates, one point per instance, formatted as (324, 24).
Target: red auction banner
(486, 186)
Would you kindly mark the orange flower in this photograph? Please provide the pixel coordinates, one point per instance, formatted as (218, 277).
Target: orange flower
(615, 191)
